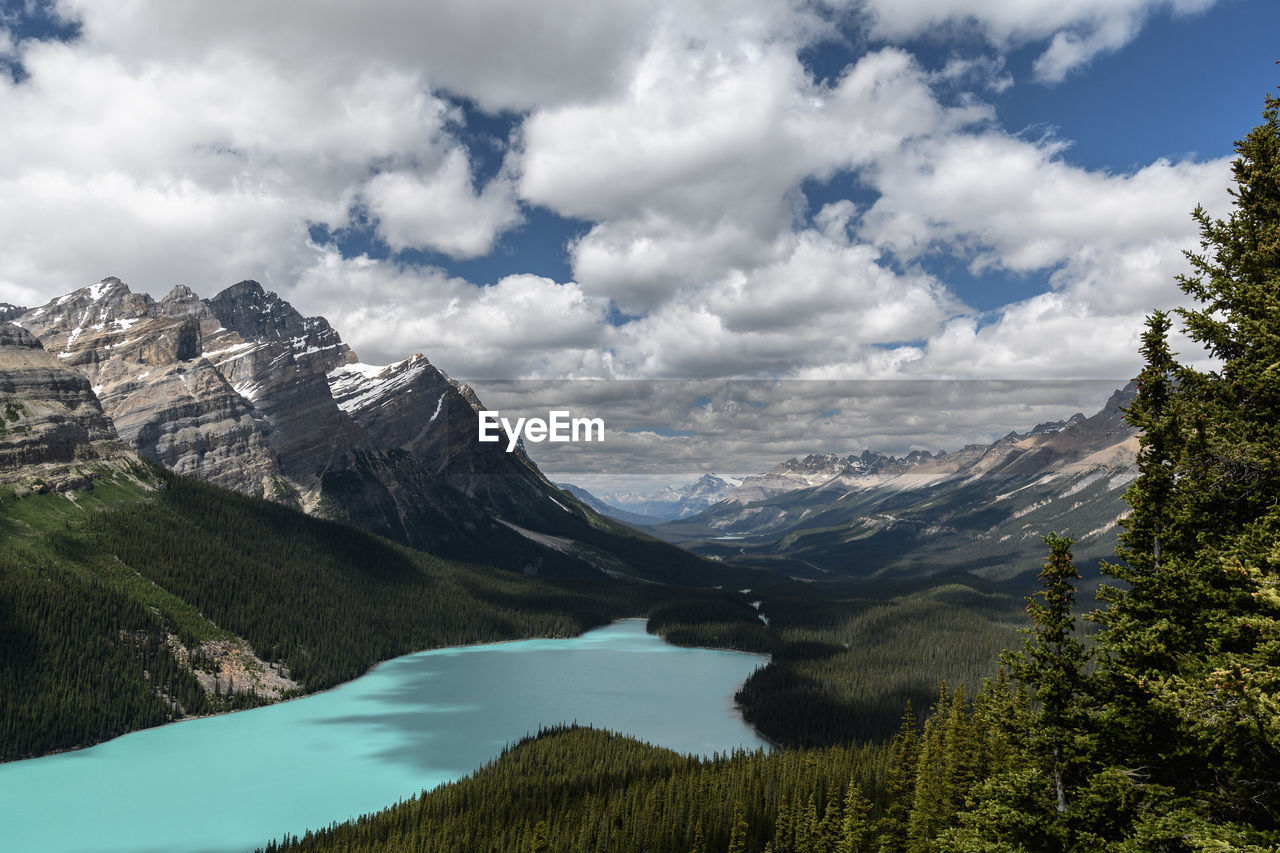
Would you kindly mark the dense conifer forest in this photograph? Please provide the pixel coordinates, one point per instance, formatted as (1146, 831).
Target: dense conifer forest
(88, 601)
(848, 655)
(1161, 735)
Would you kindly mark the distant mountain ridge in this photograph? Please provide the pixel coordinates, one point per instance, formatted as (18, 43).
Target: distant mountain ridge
(243, 391)
(820, 469)
(982, 508)
(672, 503)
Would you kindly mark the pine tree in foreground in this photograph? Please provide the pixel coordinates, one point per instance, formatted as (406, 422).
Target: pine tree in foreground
(1192, 643)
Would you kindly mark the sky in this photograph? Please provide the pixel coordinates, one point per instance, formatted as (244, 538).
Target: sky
(642, 189)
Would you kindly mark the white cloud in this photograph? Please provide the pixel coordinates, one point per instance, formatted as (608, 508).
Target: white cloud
(1049, 336)
(1007, 203)
(504, 54)
(1069, 50)
(209, 171)
(194, 143)
(522, 326)
(1077, 30)
(823, 300)
(697, 169)
(441, 210)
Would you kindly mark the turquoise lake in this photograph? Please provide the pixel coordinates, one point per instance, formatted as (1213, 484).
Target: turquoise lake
(236, 781)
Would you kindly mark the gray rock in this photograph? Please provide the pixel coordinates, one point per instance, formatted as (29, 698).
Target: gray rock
(53, 432)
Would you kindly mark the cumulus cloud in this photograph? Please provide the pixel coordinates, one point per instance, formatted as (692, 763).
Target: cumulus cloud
(1077, 30)
(441, 209)
(197, 143)
(522, 326)
(209, 170)
(1014, 204)
(697, 169)
(503, 54)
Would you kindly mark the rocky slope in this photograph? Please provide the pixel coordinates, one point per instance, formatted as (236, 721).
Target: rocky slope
(54, 435)
(983, 508)
(245, 392)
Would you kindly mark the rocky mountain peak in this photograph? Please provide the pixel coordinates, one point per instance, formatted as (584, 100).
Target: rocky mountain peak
(814, 463)
(1120, 399)
(468, 393)
(182, 301)
(8, 312)
(254, 313)
(79, 324)
(671, 503)
(261, 315)
(872, 464)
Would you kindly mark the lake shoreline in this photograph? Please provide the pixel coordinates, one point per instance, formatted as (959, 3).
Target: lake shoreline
(388, 735)
(323, 690)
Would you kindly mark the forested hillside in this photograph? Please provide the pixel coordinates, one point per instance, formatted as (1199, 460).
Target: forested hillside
(848, 655)
(107, 600)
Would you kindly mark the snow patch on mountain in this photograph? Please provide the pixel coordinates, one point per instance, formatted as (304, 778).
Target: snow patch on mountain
(360, 386)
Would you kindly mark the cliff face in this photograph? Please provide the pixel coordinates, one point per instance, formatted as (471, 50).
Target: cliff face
(146, 362)
(53, 433)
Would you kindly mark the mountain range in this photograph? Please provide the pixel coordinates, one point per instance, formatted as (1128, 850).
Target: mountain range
(243, 391)
(983, 508)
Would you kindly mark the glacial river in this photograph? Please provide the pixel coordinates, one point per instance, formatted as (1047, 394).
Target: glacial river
(235, 781)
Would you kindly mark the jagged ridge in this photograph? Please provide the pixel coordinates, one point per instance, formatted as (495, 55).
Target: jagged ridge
(245, 392)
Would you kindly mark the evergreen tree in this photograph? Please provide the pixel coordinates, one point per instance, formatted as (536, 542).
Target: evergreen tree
(738, 834)
(1192, 642)
(1051, 664)
(783, 831)
(538, 843)
(900, 783)
(929, 804)
(807, 830)
(854, 827)
(828, 833)
(699, 843)
(1038, 750)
